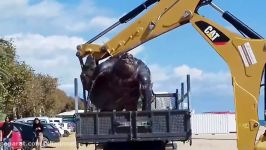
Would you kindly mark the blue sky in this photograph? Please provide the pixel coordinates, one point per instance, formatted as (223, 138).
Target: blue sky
(47, 32)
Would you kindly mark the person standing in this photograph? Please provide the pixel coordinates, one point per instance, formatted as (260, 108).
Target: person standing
(7, 129)
(38, 128)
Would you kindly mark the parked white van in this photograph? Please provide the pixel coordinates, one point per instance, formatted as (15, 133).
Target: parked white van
(58, 123)
(56, 120)
(30, 119)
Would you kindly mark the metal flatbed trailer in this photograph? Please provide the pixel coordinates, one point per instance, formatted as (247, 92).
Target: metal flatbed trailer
(136, 130)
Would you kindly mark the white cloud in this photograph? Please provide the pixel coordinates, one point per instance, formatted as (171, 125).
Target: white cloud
(183, 70)
(202, 82)
(98, 23)
(68, 88)
(22, 9)
(38, 45)
(54, 17)
(16, 5)
(12, 3)
(54, 55)
(76, 27)
(102, 21)
(40, 9)
(158, 73)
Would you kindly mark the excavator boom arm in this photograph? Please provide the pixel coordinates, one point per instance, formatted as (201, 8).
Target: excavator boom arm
(163, 17)
(245, 57)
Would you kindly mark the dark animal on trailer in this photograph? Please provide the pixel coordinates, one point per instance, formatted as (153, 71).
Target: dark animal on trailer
(117, 83)
(157, 129)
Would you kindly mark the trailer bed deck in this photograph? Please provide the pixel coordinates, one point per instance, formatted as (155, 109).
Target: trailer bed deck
(165, 125)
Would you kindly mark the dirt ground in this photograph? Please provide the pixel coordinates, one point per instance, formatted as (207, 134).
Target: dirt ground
(199, 142)
(67, 143)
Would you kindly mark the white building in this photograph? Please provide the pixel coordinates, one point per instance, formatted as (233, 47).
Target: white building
(69, 113)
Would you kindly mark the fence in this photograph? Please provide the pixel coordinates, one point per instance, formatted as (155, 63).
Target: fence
(213, 123)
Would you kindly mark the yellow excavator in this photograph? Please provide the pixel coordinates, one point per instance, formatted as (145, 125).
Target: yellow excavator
(244, 53)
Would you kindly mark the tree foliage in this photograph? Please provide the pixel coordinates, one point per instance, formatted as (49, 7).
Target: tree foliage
(25, 93)
(7, 60)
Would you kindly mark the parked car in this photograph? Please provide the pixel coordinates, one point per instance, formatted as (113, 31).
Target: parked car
(16, 140)
(50, 134)
(27, 134)
(56, 130)
(63, 129)
(56, 120)
(65, 126)
(62, 132)
(70, 125)
(30, 119)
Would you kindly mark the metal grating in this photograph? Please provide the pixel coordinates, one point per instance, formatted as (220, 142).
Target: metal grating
(87, 125)
(177, 124)
(159, 124)
(117, 126)
(163, 103)
(105, 125)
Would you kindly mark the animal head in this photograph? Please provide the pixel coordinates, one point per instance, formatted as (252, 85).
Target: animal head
(125, 66)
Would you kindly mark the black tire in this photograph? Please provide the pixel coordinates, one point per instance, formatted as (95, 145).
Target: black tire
(45, 142)
(66, 133)
(152, 145)
(117, 146)
(149, 145)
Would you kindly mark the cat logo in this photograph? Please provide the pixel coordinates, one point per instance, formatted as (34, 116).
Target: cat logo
(211, 33)
(215, 35)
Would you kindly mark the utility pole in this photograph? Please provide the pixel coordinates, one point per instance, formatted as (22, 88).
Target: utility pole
(76, 95)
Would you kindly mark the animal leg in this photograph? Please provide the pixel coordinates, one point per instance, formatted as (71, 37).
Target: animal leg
(86, 77)
(145, 89)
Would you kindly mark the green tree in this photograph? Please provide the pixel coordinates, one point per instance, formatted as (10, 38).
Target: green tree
(26, 93)
(31, 97)
(49, 85)
(7, 57)
(38, 96)
(13, 77)
(63, 102)
(21, 74)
